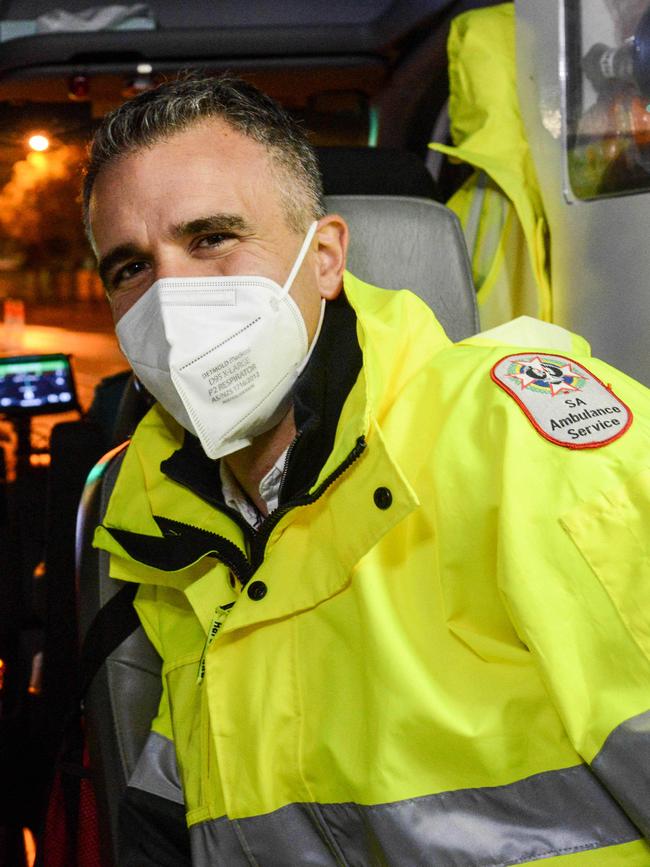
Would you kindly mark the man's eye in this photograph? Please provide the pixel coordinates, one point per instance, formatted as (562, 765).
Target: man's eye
(216, 239)
(128, 272)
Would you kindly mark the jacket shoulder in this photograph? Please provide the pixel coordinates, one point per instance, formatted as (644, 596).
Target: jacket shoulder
(554, 398)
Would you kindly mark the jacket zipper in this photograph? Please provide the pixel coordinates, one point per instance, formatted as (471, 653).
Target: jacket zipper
(285, 469)
(258, 546)
(226, 551)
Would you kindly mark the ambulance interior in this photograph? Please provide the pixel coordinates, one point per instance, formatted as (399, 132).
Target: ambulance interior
(370, 81)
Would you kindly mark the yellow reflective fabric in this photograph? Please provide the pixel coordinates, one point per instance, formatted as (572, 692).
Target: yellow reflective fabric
(526, 331)
(635, 854)
(500, 205)
(458, 639)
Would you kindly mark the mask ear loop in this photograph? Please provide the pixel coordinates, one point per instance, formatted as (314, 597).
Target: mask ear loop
(300, 258)
(315, 337)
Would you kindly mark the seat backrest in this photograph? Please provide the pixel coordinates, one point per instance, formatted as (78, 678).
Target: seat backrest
(395, 242)
(123, 696)
(410, 243)
(354, 171)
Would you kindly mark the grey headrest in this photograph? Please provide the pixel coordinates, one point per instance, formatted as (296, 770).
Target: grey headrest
(409, 243)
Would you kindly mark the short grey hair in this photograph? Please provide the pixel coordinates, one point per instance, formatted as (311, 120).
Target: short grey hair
(175, 105)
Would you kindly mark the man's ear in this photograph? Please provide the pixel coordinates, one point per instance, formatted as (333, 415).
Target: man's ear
(332, 238)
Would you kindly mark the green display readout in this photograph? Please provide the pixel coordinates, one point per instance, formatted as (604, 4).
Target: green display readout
(35, 367)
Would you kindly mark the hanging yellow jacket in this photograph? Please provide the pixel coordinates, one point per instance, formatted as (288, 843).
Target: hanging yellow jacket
(500, 205)
(443, 657)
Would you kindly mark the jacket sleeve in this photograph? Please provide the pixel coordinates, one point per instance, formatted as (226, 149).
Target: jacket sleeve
(575, 575)
(152, 827)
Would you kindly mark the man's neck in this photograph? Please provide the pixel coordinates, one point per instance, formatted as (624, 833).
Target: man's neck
(250, 465)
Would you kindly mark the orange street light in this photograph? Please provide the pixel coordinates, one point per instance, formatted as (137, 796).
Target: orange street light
(38, 142)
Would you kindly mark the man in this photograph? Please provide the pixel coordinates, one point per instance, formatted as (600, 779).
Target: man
(400, 588)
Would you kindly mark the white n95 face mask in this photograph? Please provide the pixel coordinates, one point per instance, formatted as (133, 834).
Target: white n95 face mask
(221, 354)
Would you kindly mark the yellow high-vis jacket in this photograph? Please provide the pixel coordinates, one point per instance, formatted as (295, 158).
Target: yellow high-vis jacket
(500, 205)
(443, 656)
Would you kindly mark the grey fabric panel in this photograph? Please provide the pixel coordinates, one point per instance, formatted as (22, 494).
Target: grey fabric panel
(291, 835)
(409, 243)
(156, 771)
(553, 813)
(215, 844)
(623, 764)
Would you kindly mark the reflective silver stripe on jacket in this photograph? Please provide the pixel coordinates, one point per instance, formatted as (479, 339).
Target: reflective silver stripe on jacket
(553, 813)
(156, 771)
(623, 764)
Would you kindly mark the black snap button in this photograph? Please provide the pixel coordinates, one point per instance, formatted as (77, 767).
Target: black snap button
(383, 498)
(257, 590)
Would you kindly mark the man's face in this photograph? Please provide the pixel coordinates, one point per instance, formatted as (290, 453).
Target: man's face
(204, 202)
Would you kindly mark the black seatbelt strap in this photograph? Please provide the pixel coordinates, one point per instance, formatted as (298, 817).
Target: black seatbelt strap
(112, 625)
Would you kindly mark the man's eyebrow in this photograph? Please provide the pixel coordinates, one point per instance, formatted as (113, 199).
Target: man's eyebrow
(213, 223)
(114, 257)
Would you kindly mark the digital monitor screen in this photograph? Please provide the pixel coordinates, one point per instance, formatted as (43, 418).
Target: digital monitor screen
(36, 385)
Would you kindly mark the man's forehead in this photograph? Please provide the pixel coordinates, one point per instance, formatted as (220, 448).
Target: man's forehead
(206, 145)
(204, 170)
(211, 138)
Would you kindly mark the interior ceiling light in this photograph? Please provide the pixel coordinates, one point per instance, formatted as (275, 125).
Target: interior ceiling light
(143, 80)
(38, 142)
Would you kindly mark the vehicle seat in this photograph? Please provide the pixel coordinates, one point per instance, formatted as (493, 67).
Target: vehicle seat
(396, 242)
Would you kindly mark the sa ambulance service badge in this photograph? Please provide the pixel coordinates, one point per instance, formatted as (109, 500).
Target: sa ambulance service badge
(567, 404)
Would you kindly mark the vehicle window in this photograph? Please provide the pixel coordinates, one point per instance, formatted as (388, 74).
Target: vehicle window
(607, 94)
